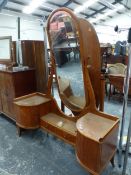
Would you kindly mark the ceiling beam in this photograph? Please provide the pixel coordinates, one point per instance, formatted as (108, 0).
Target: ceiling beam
(95, 12)
(44, 9)
(19, 11)
(109, 5)
(102, 9)
(52, 3)
(25, 4)
(18, 2)
(78, 3)
(128, 8)
(12, 9)
(67, 3)
(58, 5)
(3, 4)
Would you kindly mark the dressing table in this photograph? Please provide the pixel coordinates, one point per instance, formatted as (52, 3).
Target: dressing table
(92, 132)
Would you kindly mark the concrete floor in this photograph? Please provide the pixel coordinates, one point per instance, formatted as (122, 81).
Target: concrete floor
(36, 154)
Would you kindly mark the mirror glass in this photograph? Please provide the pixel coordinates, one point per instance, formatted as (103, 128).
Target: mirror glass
(65, 45)
(5, 49)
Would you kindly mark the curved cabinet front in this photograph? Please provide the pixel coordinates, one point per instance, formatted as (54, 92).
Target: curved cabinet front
(96, 141)
(28, 110)
(27, 117)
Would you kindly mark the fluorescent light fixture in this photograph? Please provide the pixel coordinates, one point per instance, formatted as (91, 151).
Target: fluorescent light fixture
(85, 5)
(110, 12)
(32, 6)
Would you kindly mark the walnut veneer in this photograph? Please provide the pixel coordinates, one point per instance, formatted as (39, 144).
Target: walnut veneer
(96, 141)
(28, 110)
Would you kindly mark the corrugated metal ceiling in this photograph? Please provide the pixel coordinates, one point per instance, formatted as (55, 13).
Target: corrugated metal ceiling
(100, 7)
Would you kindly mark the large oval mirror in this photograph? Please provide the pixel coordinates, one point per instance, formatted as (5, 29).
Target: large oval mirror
(64, 41)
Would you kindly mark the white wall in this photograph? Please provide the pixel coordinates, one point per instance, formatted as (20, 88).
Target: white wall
(30, 29)
(106, 33)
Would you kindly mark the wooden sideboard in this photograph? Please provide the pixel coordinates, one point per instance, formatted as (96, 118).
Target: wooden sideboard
(112, 59)
(14, 84)
(33, 53)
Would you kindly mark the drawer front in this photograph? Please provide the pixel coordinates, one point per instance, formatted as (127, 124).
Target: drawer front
(58, 132)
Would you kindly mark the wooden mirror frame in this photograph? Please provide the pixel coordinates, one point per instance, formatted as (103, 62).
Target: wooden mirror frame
(8, 60)
(93, 96)
(72, 107)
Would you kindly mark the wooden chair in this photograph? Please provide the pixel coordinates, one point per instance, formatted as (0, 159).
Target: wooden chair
(116, 74)
(118, 81)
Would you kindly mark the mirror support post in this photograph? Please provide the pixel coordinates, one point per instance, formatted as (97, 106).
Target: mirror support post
(46, 51)
(126, 88)
(18, 44)
(62, 106)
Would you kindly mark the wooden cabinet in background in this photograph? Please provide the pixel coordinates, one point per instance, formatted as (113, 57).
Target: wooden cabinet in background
(33, 54)
(15, 84)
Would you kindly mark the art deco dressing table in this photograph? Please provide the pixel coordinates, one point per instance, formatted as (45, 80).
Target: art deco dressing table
(92, 132)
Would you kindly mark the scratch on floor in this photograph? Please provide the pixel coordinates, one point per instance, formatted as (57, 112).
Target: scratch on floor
(3, 172)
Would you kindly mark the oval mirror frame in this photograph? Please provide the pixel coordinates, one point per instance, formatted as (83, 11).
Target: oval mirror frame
(89, 63)
(67, 85)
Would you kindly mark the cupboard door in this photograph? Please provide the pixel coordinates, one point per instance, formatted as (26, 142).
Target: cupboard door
(0, 93)
(2, 90)
(12, 85)
(0, 102)
(34, 56)
(24, 83)
(8, 95)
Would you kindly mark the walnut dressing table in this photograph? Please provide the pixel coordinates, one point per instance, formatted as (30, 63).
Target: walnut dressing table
(92, 132)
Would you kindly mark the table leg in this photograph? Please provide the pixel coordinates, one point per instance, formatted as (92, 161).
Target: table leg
(62, 106)
(18, 130)
(113, 162)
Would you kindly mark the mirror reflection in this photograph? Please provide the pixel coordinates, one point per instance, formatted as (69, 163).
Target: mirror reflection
(5, 49)
(65, 45)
